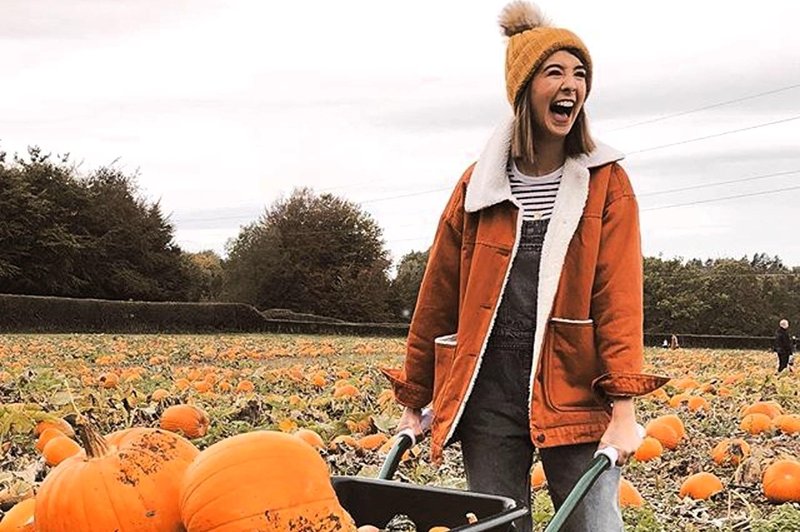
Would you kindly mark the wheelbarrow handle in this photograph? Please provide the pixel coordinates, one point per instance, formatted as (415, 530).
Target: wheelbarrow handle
(604, 459)
(405, 440)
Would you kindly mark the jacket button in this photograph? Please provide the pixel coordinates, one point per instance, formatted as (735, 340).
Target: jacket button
(540, 438)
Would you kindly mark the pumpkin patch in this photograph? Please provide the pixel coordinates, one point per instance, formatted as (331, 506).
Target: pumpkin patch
(144, 395)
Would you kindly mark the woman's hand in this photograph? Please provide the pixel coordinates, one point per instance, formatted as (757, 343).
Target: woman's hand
(411, 419)
(622, 433)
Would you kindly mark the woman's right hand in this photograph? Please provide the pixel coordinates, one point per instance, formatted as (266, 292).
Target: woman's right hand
(411, 419)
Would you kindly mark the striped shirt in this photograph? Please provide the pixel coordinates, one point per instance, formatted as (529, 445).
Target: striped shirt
(536, 194)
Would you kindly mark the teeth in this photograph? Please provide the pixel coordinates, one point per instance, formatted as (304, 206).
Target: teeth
(565, 104)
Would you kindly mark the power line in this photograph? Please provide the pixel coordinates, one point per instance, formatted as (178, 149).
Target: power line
(698, 202)
(715, 135)
(706, 107)
(717, 183)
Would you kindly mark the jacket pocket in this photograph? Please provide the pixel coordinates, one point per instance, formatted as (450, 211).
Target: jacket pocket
(572, 365)
(444, 353)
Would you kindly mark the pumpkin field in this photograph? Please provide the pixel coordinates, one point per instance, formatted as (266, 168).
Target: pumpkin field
(721, 454)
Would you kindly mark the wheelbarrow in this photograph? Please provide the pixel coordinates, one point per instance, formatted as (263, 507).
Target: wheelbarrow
(376, 501)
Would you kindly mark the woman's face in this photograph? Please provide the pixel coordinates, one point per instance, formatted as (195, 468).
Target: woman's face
(557, 93)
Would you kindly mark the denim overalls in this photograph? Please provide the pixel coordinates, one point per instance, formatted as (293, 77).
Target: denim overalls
(494, 429)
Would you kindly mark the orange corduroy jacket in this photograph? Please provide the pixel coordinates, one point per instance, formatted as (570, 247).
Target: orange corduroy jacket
(588, 343)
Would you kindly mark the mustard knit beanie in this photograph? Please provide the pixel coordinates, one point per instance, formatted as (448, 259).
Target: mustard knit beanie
(531, 40)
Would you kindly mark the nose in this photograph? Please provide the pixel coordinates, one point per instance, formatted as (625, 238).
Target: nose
(570, 83)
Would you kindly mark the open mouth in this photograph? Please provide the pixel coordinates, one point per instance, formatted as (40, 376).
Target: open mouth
(562, 108)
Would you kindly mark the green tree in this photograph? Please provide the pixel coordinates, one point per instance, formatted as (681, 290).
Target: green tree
(311, 253)
(68, 235)
(405, 286)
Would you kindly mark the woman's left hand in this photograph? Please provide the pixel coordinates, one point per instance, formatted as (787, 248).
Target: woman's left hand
(622, 432)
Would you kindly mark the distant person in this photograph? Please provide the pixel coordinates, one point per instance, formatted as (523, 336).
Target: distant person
(673, 342)
(783, 345)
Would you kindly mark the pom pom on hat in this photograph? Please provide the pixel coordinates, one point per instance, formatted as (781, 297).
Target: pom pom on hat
(519, 16)
(531, 39)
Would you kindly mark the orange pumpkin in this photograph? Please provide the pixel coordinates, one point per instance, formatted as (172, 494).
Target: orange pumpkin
(698, 403)
(55, 423)
(137, 471)
(109, 380)
(730, 451)
(650, 449)
(19, 518)
(781, 481)
(538, 478)
(188, 420)
(666, 429)
(262, 480)
(701, 486)
(629, 496)
(59, 449)
(768, 408)
(46, 436)
(372, 441)
(345, 391)
(245, 386)
(311, 438)
(342, 440)
(159, 395)
(756, 423)
(787, 423)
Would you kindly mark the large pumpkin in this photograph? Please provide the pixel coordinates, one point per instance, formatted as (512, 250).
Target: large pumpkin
(127, 481)
(262, 480)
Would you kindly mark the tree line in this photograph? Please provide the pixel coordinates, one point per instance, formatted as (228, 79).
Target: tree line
(63, 233)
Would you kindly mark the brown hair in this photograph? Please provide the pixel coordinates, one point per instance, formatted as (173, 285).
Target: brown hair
(578, 140)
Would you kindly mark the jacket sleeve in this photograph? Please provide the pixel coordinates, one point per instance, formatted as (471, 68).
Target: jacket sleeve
(436, 312)
(617, 297)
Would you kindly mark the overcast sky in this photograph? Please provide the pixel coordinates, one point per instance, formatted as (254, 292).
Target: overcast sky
(223, 106)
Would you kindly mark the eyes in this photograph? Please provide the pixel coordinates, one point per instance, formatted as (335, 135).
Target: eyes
(555, 71)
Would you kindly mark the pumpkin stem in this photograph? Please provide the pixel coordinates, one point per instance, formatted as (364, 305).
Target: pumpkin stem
(93, 442)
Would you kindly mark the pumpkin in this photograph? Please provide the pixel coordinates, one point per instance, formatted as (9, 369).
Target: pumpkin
(245, 386)
(345, 391)
(187, 420)
(19, 518)
(136, 472)
(311, 438)
(56, 423)
(768, 408)
(666, 429)
(538, 478)
(629, 496)
(787, 423)
(650, 449)
(698, 403)
(342, 440)
(261, 480)
(756, 423)
(730, 451)
(159, 395)
(46, 436)
(109, 380)
(372, 441)
(701, 486)
(677, 400)
(781, 481)
(59, 449)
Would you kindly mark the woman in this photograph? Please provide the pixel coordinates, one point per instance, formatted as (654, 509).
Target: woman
(528, 327)
(783, 345)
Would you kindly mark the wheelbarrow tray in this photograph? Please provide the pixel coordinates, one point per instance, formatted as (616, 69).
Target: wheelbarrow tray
(375, 502)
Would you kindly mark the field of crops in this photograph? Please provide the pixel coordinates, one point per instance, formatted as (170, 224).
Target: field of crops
(332, 386)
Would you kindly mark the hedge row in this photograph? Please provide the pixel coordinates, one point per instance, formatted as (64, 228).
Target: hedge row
(65, 315)
(26, 314)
